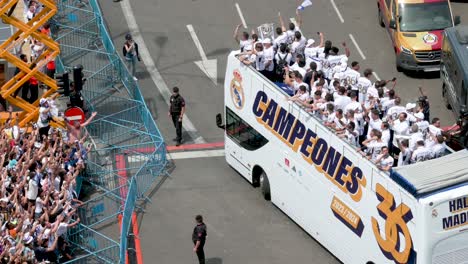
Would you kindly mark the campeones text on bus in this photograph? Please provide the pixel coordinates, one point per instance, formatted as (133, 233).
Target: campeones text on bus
(315, 150)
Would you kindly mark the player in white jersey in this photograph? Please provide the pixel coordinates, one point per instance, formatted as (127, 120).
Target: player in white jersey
(244, 38)
(332, 58)
(352, 75)
(363, 85)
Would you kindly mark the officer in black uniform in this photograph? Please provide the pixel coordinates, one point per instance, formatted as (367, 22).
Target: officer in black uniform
(176, 111)
(199, 238)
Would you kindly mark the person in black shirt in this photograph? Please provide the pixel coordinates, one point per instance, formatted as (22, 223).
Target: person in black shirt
(176, 111)
(199, 238)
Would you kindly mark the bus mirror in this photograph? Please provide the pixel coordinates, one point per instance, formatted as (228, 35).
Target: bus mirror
(457, 20)
(392, 24)
(219, 121)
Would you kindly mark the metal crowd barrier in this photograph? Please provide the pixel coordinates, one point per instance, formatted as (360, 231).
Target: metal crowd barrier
(129, 153)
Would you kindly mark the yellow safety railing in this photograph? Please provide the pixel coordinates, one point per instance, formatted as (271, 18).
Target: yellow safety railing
(30, 112)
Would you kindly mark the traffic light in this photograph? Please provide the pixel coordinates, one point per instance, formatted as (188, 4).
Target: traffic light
(78, 77)
(63, 83)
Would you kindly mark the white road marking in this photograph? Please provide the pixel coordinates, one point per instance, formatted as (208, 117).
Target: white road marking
(239, 11)
(376, 76)
(197, 42)
(357, 46)
(153, 71)
(209, 67)
(337, 11)
(182, 155)
(293, 20)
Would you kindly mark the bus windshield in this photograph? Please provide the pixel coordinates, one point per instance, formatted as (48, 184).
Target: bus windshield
(424, 17)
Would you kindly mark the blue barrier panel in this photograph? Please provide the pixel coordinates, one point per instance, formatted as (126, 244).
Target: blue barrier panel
(127, 218)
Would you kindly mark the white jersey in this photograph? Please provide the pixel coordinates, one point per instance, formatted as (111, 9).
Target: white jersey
(394, 111)
(329, 63)
(363, 85)
(438, 150)
(244, 43)
(260, 61)
(375, 148)
(283, 38)
(404, 157)
(351, 77)
(291, 34)
(269, 55)
(421, 154)
(297, 47)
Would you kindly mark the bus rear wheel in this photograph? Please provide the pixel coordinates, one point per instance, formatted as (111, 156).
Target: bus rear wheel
(265, 186)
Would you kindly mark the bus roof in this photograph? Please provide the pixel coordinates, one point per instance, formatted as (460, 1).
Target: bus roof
(421, 179)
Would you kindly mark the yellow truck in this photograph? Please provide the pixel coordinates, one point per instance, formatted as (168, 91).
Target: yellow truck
(416, 29)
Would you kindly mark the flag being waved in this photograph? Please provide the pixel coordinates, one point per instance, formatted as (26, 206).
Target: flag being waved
(304, 4)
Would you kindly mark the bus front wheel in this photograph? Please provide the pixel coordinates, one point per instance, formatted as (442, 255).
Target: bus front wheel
(265, 186)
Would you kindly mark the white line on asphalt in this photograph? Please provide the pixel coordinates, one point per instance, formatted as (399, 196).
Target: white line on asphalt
(197, 42)
(197, 154)
(153, 71)
(376, 76)
(239, 11)
(182, 155)
(357, 46)
(337, 11)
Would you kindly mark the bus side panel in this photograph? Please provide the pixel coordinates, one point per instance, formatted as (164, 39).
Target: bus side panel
(311, 197)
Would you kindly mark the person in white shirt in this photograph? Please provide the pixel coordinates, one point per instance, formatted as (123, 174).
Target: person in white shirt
(434, 127)
(404, 158)
(423, 125)
(294, 80)
(374, 122)
(298, 46)
(388, 102)
(302, 96)
(248, 57)
(354, 104)
(319, 86)
(292, 28)
(352, 75)
(421, 153)
(401, 125)
(283, 56)
(372, 92)
(415, 136)
(356, 118)
(410, 112)
(259, 57)
(394, 111)
(269, 55)
(342, 100)
(384, 161)
(339, 122)
(282, 38)
(312, 52)
(373, 144)
(438, 150)
(385, 132)
(243, 40)
(363, 85)
(299, 64)
(350, 134)
(331, 58)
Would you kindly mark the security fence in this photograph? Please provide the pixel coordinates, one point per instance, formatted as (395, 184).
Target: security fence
(129, 153)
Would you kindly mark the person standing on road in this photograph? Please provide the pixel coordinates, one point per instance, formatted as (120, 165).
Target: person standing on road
(176, 111)
(131, 54)
(199, 238)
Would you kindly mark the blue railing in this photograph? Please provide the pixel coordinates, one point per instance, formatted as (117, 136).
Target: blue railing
(129, 152)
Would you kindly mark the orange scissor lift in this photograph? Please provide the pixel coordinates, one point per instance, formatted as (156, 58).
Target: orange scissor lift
(29, 112)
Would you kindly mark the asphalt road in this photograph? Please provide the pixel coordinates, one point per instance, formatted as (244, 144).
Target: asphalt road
(245, 229)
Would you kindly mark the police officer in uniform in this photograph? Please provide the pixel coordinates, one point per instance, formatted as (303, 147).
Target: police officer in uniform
(199, 238)
(176, 111)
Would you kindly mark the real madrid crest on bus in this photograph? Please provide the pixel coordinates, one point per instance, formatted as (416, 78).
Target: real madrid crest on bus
(267, 31)
(237, 91)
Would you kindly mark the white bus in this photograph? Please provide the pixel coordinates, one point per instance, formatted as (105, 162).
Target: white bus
(415, 214)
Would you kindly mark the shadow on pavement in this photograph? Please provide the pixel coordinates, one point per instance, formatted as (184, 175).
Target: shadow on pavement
(422, 75)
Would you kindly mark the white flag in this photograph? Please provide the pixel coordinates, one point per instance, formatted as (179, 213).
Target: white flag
(304, 4)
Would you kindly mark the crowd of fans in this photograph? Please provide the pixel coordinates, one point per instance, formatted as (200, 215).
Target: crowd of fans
(38, 202)
(369, 115)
